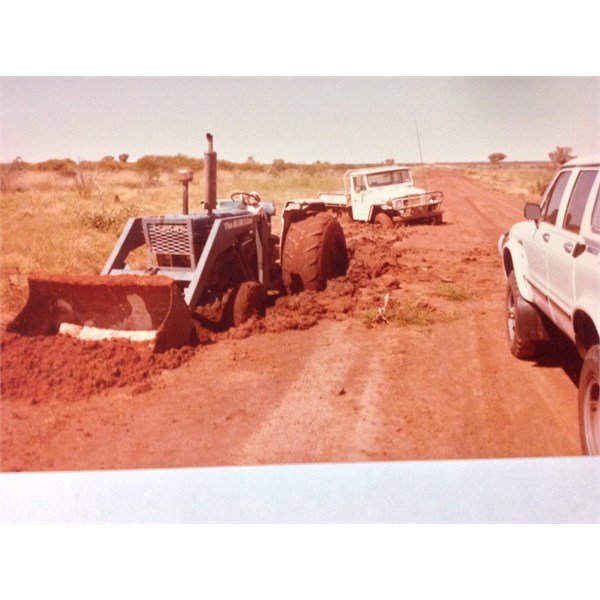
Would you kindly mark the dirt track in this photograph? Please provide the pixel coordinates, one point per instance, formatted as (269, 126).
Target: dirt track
(320, 379)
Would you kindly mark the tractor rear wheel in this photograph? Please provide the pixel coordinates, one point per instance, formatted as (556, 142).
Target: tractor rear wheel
(314, 251)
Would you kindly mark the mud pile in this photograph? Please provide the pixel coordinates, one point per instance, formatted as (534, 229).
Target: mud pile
(375, 268)
(39, 369)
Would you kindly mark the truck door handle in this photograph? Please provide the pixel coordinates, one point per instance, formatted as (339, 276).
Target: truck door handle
(546, 237)
(568, 246)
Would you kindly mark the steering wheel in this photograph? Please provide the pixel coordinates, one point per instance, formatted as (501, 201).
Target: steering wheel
(247, 198)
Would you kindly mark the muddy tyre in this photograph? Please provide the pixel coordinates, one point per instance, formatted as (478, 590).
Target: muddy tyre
(247, 300)
(589, 413)
(384, 221)
(519, 343)
(314, 252)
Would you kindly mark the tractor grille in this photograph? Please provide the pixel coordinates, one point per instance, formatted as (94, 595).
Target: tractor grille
(170, 243)
(169, 238)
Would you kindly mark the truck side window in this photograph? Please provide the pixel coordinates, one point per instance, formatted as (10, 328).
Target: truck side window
(552, 204)
(358, 184)
(577, 202)
(596, 214)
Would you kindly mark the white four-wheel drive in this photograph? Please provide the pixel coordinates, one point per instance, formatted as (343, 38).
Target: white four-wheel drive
(552, 266)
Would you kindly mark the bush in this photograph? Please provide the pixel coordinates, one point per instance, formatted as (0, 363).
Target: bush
(105, 218)
(65, 166)
(496, 157)
(85, 182)
(168, 164)
(540, 185)
(561, 155)
(108, 163)
(278, 167)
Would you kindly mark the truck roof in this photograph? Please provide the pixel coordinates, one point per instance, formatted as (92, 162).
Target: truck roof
(380, 169)
(581, 161)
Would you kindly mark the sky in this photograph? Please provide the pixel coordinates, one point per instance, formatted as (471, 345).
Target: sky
(299, 118)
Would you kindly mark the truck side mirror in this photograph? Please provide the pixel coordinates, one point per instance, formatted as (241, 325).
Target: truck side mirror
(533, 212)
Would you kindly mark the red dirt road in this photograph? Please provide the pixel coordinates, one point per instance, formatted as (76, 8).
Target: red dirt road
(320, 379)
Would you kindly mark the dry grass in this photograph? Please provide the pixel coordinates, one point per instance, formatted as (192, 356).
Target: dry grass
(47, 226)
(520, 179)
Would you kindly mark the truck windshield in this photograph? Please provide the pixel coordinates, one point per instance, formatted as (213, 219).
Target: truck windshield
(388, 178)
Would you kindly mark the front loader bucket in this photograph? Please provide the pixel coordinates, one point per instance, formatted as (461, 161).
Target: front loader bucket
(102, 306)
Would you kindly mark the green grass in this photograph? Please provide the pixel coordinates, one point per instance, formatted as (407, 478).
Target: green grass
(452, 292)
(405, 314)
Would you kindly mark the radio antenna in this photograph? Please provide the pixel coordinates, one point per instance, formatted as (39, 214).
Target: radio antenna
(421, 154)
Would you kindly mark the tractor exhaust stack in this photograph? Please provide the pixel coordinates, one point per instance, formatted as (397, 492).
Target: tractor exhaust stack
(210, 176)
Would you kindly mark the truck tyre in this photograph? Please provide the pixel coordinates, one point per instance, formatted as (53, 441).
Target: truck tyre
(589, 414)
(314, 251)
(383, 220)
(246, 300)
(519, 343)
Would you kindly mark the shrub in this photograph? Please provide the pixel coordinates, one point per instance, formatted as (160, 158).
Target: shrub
(278, 167)
(108, 163)
(65, 166)
(561, 155)
(85, 182)
(496, 157)
(540, 185)
(105, 218)
(168, 164)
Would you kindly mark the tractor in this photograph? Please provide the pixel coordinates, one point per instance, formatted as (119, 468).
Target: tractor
(224, 255)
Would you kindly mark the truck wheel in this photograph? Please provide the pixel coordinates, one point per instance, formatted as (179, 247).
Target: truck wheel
(246, 300)
(520, 345)
(383, 220)
(314, 251)
(589, 392)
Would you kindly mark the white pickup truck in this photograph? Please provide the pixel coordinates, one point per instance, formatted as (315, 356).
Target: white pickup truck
(384, 195)
(552, 266)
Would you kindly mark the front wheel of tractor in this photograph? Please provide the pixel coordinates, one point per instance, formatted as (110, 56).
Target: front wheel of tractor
(247, 300)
